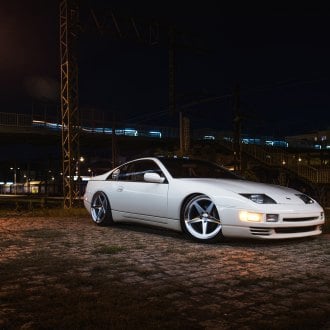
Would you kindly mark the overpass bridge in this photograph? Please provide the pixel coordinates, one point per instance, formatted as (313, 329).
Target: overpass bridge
(289, 163)
(28, 123)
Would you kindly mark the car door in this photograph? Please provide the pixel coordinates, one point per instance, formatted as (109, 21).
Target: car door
(135, 198)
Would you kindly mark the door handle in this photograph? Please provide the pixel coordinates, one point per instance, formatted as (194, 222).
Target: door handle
(120, 189)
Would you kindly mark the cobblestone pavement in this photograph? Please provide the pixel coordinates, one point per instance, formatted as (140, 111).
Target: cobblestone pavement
(232, 285)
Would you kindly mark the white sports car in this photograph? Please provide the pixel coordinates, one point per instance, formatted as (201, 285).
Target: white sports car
(205, 201)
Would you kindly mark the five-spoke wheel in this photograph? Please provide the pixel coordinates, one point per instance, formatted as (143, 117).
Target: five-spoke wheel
(100, 209)
(200, 219)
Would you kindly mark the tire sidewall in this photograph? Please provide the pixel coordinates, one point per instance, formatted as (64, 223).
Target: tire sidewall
(107, 219)
(217, 238)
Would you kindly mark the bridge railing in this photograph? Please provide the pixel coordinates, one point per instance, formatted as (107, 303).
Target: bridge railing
(319, 174)
(15, 120)
(281, 158)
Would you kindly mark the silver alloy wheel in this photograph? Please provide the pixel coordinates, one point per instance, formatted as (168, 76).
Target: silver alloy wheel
(201, 218)
(99, 208)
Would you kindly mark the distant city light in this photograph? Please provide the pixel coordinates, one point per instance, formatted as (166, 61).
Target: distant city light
(276, 143)
(155, 134)
(208, 137)
(158, 134)
(251, 141)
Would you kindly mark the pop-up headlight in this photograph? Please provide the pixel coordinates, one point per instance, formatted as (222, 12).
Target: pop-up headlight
(306, 199)
(259, 198)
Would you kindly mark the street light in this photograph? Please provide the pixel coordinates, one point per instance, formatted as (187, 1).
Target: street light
(80, 160)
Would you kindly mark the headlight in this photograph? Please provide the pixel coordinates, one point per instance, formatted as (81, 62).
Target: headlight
(306, 199)
(259, 198)
(246, 216)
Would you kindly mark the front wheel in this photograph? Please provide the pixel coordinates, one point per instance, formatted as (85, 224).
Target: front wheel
(200, 220)
(100, 209)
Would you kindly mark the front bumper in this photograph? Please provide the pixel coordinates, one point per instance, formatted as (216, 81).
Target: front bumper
(290, 224)
(273, 232)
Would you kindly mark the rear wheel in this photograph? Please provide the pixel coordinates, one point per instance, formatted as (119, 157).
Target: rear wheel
(200, 220)
(100, 209)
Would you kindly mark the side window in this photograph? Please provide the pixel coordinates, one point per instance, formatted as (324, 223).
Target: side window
(135, 171)
(122, 173)
(145, 166)
(126, 172)
(115, 175)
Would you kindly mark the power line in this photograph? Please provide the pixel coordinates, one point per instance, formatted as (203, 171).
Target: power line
(285, 84)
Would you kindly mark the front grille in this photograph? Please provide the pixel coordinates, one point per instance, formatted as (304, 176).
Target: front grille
(293, 230)
(299, 219)
(260, 231)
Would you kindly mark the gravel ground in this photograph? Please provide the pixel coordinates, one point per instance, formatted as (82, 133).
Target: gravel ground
(239, 284)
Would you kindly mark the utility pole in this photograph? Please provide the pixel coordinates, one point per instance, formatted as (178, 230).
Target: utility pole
(114, 142)
(171, 67)
(184, 123)
(237, 121)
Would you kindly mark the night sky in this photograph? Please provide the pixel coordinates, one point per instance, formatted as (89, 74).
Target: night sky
(279, 57)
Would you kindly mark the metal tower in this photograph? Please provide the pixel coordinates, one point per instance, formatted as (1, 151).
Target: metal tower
(106, 23)
(69, 100)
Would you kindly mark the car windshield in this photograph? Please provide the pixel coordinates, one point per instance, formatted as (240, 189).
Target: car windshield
(188, 168)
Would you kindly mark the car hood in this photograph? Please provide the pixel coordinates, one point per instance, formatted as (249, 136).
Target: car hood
(282, 195)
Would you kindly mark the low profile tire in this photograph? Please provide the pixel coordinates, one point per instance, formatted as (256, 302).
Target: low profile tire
(100, 209)
(200, 220)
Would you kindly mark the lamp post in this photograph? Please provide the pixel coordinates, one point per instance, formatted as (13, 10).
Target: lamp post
(90, 172)
(78, 176)
(14, 169)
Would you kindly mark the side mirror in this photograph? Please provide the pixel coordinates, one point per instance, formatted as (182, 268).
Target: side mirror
(153, 177)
